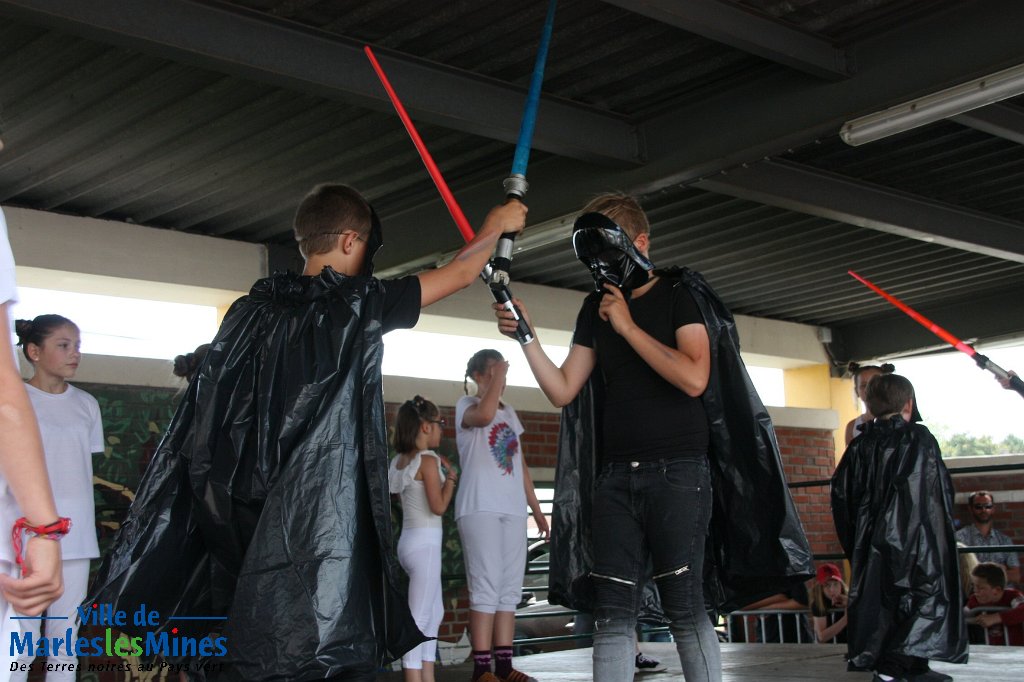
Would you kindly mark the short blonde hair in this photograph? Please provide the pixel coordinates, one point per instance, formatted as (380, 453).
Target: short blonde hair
(624, 209)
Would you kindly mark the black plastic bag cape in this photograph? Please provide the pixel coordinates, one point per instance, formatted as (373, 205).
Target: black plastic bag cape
(756, 542)
(892, 501)
(267, 499)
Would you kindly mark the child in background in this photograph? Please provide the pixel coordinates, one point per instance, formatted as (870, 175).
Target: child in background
(186, 365)
(829, 592)
(990, 589)
(491, 514)
(892, 503)
(426, 487)
(71, 429)
(862, 374)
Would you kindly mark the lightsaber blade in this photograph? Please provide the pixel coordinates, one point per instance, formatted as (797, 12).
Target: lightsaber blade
(522, 155)
(501, 293)
(435, 173)
(981, 360)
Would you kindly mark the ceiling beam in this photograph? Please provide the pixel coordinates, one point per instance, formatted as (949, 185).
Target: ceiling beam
(835, 197)
(751, 32)
(749, 122)
(233, 40)
(1002, 120)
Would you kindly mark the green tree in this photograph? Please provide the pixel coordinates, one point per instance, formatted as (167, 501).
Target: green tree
(964, 445)
(1012, 445)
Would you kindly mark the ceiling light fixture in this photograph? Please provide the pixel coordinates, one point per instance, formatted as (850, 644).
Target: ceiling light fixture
(935, 107)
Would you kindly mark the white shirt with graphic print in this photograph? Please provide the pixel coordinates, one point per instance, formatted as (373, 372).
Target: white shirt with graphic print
(491, 459)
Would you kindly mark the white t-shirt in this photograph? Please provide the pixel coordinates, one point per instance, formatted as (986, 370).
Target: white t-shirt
(415, 507)
(70, 425)
(492, 463)
(8, 290)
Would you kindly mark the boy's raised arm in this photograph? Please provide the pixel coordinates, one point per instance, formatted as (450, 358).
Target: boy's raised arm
(467, 264)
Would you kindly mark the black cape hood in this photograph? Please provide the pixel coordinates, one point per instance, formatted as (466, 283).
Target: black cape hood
(892, 501)
(267, 501)
(756, 542)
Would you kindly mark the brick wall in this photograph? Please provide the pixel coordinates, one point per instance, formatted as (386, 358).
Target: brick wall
(1009, 509)
(809, 455)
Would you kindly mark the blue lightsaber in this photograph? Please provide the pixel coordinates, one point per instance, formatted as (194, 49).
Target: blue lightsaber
(515, 184)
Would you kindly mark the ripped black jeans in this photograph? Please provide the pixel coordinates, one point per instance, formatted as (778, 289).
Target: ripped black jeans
(659, 510)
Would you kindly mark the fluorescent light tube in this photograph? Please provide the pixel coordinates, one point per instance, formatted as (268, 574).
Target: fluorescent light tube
(935, 107)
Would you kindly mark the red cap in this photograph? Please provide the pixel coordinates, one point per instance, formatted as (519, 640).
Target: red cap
(828, 572)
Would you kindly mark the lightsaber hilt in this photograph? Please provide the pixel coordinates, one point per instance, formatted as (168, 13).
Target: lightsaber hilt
(503, 295)
(516, 187)
(1016, 383)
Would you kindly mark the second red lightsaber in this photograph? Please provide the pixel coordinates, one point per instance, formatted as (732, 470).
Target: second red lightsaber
(982, 361)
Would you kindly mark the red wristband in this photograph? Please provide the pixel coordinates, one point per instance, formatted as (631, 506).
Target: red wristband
(52, 531)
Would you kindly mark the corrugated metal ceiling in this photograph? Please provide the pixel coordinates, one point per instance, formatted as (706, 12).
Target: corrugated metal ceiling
(102, 126)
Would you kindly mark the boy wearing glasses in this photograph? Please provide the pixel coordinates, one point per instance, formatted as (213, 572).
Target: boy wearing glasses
(981, 533)
(267, 500)
(892, 503)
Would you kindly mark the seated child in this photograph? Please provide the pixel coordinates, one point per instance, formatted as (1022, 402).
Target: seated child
(990, 589)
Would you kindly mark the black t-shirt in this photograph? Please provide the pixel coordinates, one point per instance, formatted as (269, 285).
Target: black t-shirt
(401, 303)
(645, 417)
(831, 618)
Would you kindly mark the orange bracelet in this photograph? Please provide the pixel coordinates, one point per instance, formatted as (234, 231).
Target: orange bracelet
(52, 531)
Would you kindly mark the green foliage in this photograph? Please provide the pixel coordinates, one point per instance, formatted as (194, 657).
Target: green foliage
(134, 420)
(964, 445)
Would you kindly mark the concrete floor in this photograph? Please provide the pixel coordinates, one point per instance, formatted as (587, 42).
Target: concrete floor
(750, 663)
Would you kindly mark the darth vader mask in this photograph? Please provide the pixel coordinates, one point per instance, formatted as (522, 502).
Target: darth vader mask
(609, 253)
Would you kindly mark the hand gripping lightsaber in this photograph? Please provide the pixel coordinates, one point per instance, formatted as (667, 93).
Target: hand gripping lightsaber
(515, 184)
(500, 292)
(981, 360)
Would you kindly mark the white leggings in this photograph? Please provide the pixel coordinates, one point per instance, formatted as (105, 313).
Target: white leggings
(76, 582)
(494, 549)
(419, 552)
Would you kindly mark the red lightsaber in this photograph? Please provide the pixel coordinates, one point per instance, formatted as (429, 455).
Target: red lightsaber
(981, 360)
(499, 291)
(435, 173)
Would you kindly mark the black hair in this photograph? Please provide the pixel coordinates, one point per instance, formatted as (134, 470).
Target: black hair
(478, 364)
(186, 366)
(36, 331)
(887, 394)
(411, 414)
(855, 369)
(991, 573)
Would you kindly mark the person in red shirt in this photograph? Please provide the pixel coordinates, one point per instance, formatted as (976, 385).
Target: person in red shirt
(990, 590)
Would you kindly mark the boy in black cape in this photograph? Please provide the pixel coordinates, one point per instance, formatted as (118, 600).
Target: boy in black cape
(267, 499)
(662, 443)
(892, 502)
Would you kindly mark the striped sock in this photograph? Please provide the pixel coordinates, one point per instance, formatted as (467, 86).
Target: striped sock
(481, 664)
(503, 661)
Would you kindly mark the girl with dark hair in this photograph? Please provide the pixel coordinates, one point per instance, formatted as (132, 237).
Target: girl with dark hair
(69, 422)
(490, 511)
(426, 485)
(862, 375)
(186, 366)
